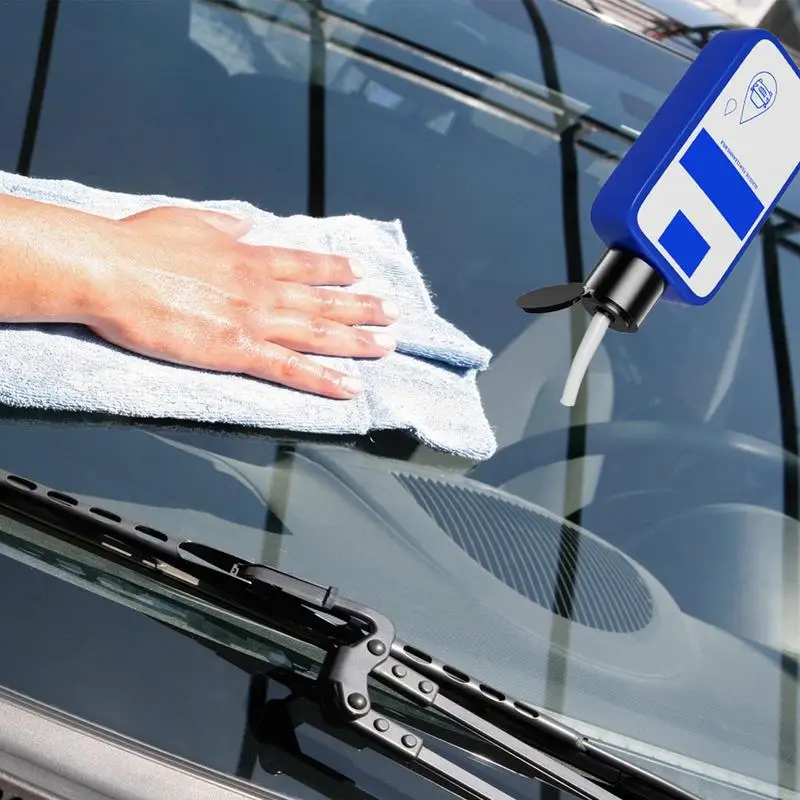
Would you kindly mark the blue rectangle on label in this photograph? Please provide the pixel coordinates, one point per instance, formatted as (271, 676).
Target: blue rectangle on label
(722, 183)
(684, 243)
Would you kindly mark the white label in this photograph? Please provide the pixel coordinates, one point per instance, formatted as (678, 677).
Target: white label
(700, 211)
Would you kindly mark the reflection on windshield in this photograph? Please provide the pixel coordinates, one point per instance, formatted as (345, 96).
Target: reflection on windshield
(487, 127)
(790, 610)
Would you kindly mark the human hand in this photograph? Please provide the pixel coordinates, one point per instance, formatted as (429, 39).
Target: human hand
(177, 284)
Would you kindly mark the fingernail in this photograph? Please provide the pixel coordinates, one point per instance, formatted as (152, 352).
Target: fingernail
(357, 269)
(390, 309)
(351, 384)
(384, 340)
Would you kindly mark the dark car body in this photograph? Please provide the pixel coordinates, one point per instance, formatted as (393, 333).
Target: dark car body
(630, 565)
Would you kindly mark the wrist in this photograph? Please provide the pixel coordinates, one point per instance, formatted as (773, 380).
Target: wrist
(86, 269)
(54, 262)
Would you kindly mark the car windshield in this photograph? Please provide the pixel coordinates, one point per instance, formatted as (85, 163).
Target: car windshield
(631, 563)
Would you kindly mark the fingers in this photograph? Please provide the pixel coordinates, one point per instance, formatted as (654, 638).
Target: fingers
(292, 279)
(279, 341)
(289, 368)
(307, 334)
(300, 266)
(344, 307)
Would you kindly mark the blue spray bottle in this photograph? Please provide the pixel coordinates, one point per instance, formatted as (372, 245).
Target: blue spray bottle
(691, 193)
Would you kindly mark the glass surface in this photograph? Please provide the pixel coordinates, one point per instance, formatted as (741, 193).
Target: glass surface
(663, 616)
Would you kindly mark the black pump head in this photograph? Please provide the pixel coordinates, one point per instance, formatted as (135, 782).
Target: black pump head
(622, 286)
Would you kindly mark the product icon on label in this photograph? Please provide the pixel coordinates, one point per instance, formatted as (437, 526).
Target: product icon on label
(730, 106)
(760, 96)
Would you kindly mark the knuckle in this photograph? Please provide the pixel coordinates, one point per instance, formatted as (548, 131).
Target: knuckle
(370, 305)
(230, 335)
(326, 301)
(157, 214)
(320, 329)
(291, 367)
(282, 263)
(241, 270)
(165, 212)
(239, 309)
(304, 265)
(330, 380)
(175, 215)
(321, 265)
(280, 296)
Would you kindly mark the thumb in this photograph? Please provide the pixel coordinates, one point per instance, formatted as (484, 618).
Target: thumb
(234, 226)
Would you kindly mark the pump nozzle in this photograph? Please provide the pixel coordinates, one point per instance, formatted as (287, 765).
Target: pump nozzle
(583, 357)
(619, 294)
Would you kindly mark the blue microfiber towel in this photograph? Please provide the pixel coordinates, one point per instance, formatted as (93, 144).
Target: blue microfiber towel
(427, 387)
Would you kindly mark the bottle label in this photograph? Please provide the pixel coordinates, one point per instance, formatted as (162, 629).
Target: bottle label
(721, 184)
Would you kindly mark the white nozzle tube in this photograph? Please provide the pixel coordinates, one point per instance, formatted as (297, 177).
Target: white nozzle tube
(583, 357)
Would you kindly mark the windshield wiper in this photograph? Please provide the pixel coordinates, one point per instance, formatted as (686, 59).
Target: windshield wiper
(361, 646)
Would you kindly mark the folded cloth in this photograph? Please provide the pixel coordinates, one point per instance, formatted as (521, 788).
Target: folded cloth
(427, 387)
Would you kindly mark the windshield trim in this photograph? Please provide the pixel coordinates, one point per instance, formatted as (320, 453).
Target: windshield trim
(97, 759)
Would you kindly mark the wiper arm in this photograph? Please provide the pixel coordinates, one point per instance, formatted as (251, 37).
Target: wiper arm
(361, 645)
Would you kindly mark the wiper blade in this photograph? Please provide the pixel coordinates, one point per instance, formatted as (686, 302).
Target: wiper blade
(361, 645)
